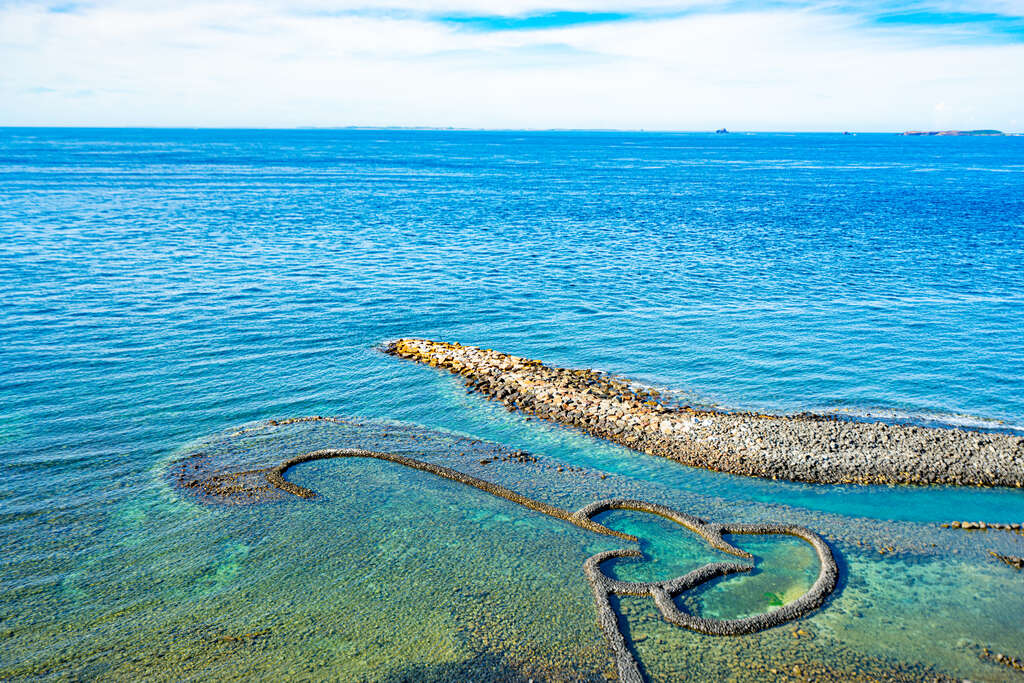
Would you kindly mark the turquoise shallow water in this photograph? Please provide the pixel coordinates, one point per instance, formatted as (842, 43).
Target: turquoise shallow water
(160, 287)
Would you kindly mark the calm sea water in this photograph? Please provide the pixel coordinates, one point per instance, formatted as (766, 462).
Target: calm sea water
(159, 288)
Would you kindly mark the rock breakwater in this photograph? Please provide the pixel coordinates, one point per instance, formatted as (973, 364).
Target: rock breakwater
(806, 448)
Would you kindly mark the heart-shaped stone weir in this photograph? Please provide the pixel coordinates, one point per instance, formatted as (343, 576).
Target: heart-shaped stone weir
(604, 586)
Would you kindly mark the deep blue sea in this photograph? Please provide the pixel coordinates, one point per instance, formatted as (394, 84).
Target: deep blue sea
(161, 288)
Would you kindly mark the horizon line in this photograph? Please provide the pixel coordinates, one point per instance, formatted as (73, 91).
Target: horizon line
(510, 130)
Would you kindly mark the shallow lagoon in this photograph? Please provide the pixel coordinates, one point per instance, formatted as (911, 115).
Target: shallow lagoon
(168, 288)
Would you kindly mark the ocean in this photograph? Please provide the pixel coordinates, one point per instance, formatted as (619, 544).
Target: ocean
(162, 289)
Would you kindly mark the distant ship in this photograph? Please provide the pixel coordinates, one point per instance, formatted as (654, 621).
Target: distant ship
(721, 130)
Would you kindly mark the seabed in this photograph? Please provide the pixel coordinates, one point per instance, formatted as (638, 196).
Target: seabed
(482, 549)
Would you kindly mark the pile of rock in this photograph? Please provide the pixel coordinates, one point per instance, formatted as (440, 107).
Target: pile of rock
(1012, 560)
(804, 447)
(983, 526)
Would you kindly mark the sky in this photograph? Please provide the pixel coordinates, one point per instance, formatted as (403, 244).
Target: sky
(858, 65)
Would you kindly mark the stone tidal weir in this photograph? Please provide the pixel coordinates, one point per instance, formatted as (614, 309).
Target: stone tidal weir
(605, 586)
(806, 448)
(243, 468)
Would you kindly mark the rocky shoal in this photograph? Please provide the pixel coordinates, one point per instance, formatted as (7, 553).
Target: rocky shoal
(807, 448)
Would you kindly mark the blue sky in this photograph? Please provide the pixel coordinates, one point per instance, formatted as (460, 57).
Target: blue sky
(783, 65)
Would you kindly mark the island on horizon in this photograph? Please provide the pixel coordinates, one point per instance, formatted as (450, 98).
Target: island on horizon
(954, 132)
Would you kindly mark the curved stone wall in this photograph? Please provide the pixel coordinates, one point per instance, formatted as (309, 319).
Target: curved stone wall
(603, 586)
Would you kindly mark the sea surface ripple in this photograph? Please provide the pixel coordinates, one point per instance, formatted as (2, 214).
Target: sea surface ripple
(159, 286)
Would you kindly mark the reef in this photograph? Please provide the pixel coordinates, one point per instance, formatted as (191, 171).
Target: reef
(805, 447)
(229, 488)
(662, 592)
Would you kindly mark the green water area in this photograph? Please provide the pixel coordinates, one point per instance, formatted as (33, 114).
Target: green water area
(392, 573)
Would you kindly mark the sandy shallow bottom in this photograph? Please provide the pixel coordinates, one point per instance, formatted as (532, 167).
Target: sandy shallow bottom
(394, 575)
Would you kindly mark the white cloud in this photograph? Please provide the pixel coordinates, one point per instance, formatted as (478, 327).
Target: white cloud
(248, 64)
